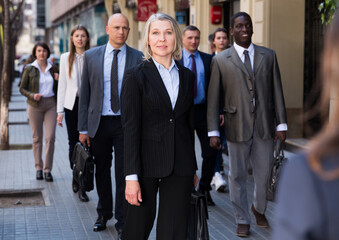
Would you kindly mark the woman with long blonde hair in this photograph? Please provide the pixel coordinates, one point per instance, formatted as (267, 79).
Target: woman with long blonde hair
(71, 64)
(308, 195)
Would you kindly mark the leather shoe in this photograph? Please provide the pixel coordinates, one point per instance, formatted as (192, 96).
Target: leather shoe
(100, 224)
(83, 196)
(260, 219)
(39, 175)
(48, 177)
(209, 199)
(243, 230)
(75, 186)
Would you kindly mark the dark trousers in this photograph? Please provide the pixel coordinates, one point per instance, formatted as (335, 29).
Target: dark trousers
(71, 118)
(208, 154)
(109, 135)
(174, 200)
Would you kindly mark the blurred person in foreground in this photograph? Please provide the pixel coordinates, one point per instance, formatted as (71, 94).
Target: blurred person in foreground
(308, 194)
(39, 83)
(255, 116)
(157, 109)
(71, 64)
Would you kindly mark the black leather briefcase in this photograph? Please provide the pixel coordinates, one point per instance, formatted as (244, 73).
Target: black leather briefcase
(278, 162)
(197, 219)
(83, 167)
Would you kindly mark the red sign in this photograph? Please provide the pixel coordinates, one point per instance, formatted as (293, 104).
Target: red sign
(146, 8)
(216, 14)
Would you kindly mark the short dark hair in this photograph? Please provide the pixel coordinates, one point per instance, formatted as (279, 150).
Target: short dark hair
(211, 37)
(190, 28)
(219, 30)
(44, 46)
(240, 14)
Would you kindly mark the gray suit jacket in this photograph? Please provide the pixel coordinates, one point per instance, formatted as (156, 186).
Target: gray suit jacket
(241, 116)
(92, 86)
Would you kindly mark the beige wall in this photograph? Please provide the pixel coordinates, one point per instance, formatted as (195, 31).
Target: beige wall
(280, 25)
(60, 7)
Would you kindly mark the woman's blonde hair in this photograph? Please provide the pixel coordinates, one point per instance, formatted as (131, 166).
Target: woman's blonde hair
(327, 141)
(177, 51)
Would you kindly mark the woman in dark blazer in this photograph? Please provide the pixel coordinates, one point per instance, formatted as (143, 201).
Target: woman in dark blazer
(157, 114)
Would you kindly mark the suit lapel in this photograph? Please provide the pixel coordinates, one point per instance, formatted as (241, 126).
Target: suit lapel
(258, 57)
(128, 59)
(182, 88)
(154, 76)
(100, 65)
(237, 61)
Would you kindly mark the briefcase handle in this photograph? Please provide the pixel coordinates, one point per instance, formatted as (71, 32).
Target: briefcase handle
(279, 150)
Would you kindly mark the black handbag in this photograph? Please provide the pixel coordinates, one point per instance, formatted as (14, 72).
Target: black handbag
(278, 161)
(83, 167)
(197, 222)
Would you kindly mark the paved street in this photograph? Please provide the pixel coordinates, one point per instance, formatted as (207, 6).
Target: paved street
(64, 216)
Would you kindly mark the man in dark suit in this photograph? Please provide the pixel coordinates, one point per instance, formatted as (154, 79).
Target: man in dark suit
(199, 63)
(255, 115)
(99, 115)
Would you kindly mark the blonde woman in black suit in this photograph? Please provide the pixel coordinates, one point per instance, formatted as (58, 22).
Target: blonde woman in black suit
(157, 112)
(71, 64)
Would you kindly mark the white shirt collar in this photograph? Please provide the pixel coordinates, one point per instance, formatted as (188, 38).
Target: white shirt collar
(35, 64)
(158, 65)
(240, 50)
(110, 48)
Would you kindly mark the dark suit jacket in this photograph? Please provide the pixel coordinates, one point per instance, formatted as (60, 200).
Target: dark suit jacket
(206, 59)
(241, 116)
(92, 86)
(158, 140)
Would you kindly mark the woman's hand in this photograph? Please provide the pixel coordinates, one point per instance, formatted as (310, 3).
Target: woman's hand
(195, 180)
(59, 119)
(37, 97)
(56, 76)
(133, 192)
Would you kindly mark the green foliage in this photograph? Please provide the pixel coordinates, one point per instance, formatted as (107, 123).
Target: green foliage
(327, 10)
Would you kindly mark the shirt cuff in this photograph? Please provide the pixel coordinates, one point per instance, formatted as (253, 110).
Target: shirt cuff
(214, 133)
(282, 127)
(132, 177)
(83, 132)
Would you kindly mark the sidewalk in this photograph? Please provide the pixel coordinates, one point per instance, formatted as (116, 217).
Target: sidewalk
(64, 216)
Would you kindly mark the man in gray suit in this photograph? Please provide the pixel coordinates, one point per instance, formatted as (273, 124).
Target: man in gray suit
(255, 116)
(99, 121)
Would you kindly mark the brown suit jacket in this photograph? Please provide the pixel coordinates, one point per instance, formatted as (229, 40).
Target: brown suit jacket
(242, 117)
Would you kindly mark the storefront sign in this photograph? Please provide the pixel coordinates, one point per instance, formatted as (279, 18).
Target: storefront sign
(216, 14)
(146, 8)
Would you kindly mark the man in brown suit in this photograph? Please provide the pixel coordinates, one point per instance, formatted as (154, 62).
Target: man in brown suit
(255, 116)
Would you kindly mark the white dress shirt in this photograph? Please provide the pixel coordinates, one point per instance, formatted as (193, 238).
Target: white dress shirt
(46, 80)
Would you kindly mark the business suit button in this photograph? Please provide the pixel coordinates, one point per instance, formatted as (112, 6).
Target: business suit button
(171, 120)
(251, 89)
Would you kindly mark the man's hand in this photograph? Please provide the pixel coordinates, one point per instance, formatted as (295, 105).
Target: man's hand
(215, 142)
(133, 192)
(281, 135)
(59, 119)
(84, 138)
(222, 119)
